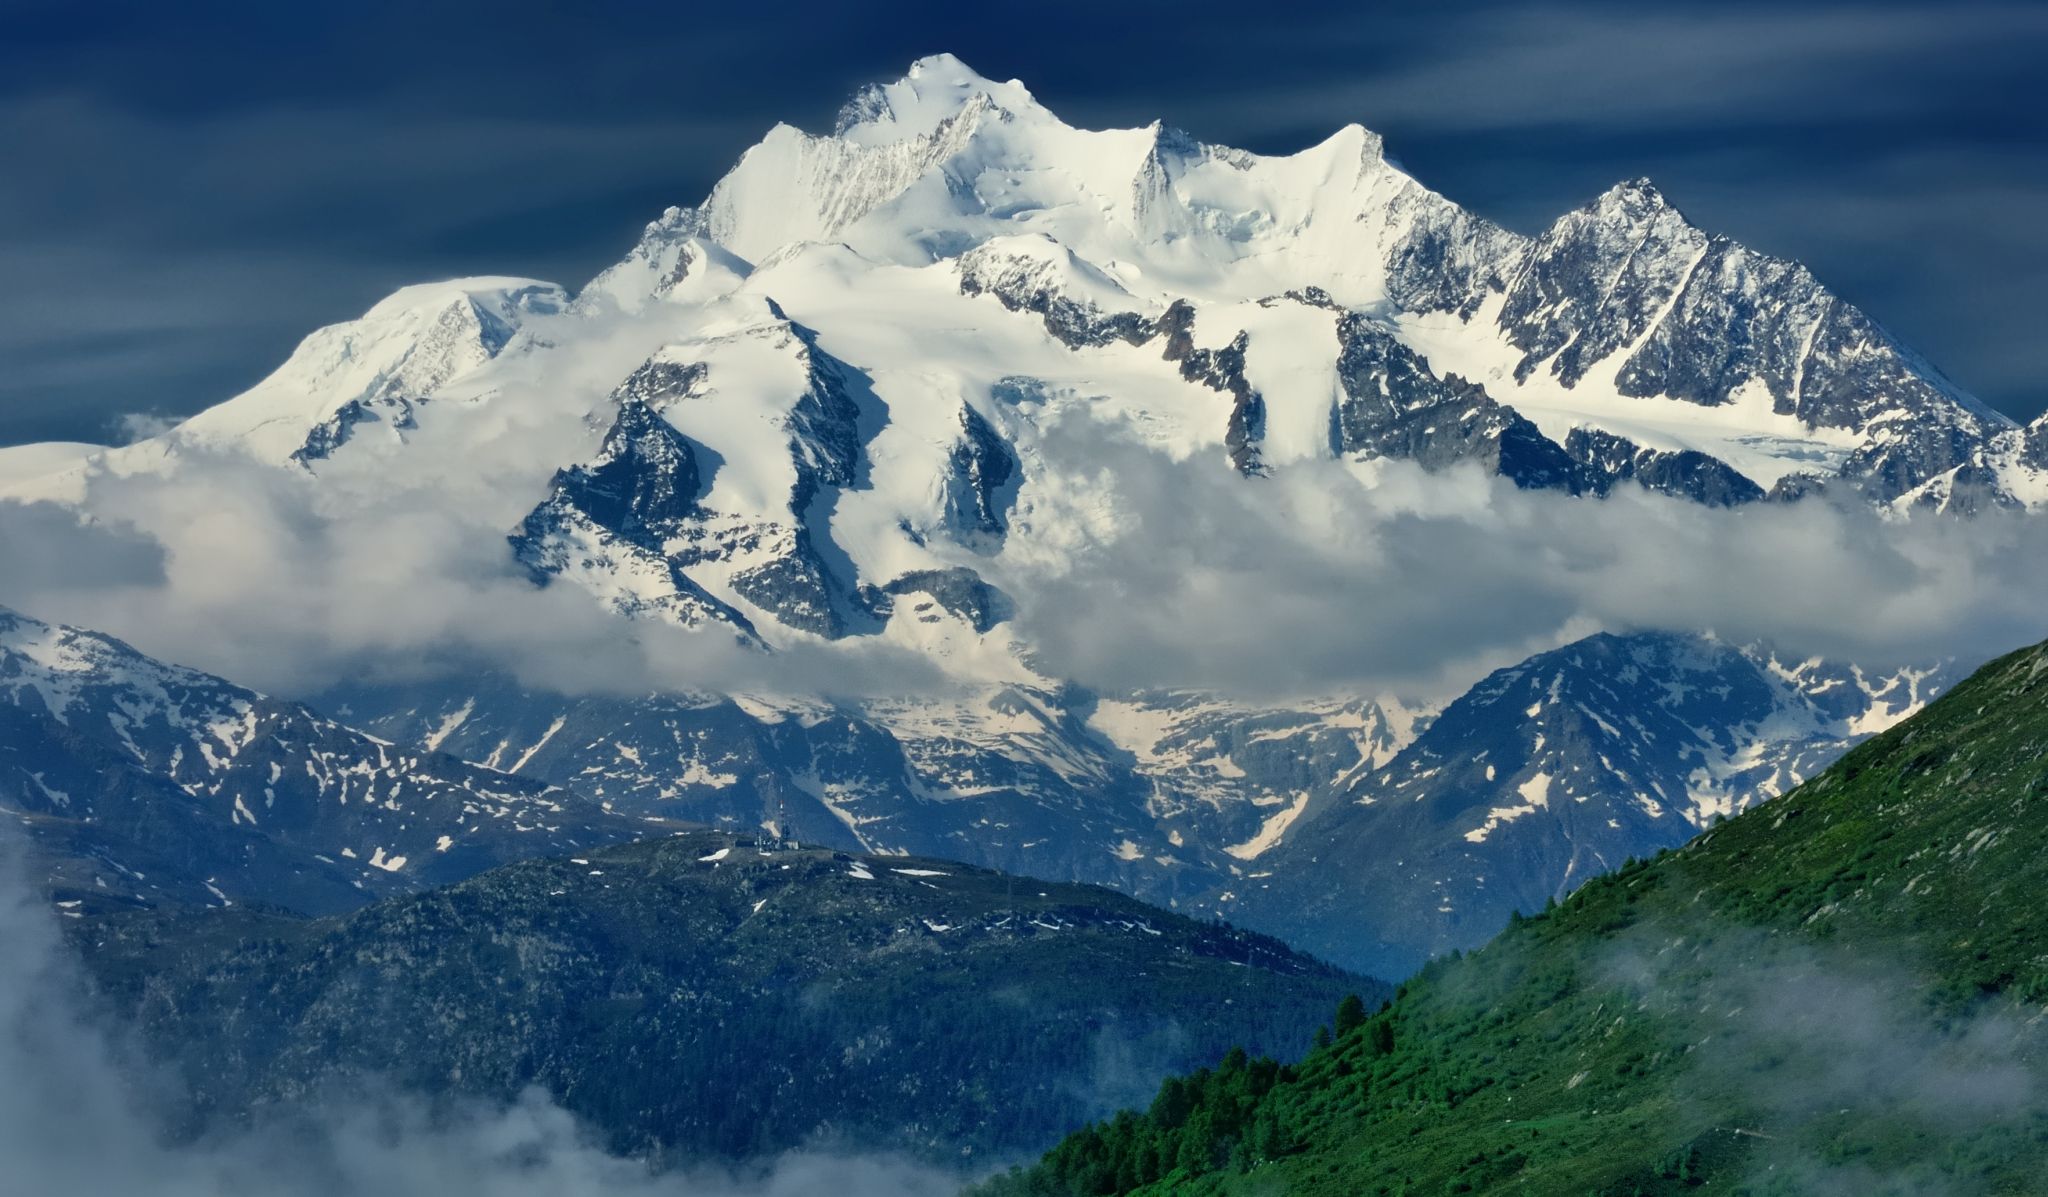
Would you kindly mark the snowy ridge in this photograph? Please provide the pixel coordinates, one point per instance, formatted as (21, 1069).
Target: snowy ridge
(1161, 794)
(374, 370)
(1554, 770)
(145, 782)
(1622, 318)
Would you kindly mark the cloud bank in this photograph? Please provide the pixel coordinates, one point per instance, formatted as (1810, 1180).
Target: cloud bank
(1309, 581)
(1141, 574)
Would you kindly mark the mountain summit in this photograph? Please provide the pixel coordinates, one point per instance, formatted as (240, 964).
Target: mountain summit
(1622, 322)
(890, 393)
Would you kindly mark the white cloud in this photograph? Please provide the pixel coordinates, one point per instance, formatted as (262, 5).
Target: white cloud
(1305, 582)
(233, 567)
(1308, 581)
(142, 425)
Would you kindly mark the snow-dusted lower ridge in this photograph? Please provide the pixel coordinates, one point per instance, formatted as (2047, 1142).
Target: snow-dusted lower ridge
(141, 782)
(870, 419)
(1162, 795)
(1373, 833)
(1551, 772)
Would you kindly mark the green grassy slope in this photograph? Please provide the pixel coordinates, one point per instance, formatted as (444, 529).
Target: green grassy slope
(1841, 991)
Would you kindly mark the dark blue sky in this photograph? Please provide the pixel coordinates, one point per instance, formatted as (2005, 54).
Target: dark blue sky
(186, 189)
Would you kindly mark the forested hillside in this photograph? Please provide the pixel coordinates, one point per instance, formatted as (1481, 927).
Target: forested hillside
(713, 996)
(1841, 991)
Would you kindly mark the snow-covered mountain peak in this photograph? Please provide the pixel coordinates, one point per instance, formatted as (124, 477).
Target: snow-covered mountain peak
(673, 262)
(1632, 195)
(865, 344)
(499, 297)
(374, 369)
(794, 186)
(935, 90)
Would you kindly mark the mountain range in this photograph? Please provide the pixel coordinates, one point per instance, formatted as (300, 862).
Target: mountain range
(856, 402)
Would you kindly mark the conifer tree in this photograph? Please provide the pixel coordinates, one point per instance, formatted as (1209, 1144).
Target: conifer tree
(1350, 1014)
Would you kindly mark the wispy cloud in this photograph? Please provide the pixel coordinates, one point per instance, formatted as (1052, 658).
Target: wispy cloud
(1623, 67)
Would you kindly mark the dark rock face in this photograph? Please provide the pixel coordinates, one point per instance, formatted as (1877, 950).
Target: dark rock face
(636, 508)
(824, 424)
(1906, 453)
(1450, 261)
(1073, 324)
(143, 783)
(1708, 317)
(1542, 776)
(797, 588)
(1394, 406)
(979, 485)
(722, 996)
(641, 488)
(620, 511)
(2034, 444)
(960, 591)
(657, 384)
(1597, 280)
(1608, 460)
(1740, 316)
(1220, 370)
(1176, 324)
(798, 585)
(1970, 490)
(1997, 474)
(1802, 485)
(335, 431)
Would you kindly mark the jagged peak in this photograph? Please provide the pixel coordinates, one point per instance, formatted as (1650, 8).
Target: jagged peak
(936, 89)
(1634, 201)
(1639, 192)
